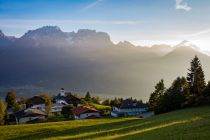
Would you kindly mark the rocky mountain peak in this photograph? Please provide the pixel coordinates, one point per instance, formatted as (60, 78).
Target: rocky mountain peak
(187, 44)
(1, 34)
(125, 44)
(43, 31)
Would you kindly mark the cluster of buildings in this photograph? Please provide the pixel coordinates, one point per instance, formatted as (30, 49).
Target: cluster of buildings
(34, 112)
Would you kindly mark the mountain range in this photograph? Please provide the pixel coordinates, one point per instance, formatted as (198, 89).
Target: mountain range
(46, 59)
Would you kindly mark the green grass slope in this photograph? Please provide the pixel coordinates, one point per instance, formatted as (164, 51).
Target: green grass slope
(187, 124)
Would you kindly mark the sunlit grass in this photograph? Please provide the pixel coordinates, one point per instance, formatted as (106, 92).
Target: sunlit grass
(99, 107)
(189, 124)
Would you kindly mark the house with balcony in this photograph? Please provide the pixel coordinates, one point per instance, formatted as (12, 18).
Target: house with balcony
(129, 107)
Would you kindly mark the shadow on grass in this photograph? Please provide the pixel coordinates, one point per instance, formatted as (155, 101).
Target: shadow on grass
(104, 133)
(52, 133)
(129, 131)
(120, 132)
(171, 130)
(124, 129)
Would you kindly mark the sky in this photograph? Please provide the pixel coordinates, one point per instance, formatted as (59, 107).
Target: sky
(142, 22)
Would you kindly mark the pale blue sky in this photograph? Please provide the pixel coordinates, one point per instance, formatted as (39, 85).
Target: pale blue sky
(138, 21)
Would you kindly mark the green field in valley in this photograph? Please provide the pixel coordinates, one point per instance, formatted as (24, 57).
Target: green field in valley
(187, 124)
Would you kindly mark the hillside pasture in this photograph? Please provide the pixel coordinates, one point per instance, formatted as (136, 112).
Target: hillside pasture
(187, 124)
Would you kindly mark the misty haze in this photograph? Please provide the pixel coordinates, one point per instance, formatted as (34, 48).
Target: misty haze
(48, 58)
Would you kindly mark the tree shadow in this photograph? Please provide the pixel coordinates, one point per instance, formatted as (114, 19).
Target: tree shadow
(125, 129)
(52, 132)
(169, 131)
(112, 131)
(131, 132)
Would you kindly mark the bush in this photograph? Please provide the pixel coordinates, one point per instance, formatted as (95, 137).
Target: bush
(67, 112)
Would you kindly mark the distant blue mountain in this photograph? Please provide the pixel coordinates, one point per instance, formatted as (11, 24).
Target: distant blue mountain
(48, 59)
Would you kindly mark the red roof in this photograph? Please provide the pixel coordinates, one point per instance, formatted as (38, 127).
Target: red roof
(82, 109)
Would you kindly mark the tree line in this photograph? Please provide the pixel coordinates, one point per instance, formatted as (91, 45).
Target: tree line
(188, 91)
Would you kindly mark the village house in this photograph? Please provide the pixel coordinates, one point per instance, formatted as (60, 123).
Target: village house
(129, 107)
(29, 116)
(59, 101)
(38, 102)
(66, 98)
(11, 111)
(56, 108)
(86, 112)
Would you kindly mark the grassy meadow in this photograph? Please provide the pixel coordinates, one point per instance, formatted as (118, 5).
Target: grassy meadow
(187, 124)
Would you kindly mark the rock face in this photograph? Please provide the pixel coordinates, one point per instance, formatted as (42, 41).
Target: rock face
(88, 61)
(125, 44)
(42, 37)
(1, 34)
(6, 40)
(52, 36)
(85, 37)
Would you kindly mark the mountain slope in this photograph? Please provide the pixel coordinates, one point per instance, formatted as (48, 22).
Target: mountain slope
(47, 59)
(6, 40)
(53, 36)
(45, 36)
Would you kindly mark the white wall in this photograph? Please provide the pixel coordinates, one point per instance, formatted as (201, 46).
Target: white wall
(85, 115)
(114, 114)
(26, 119)
(130, 111)
(39, 106)
(55, 107)
(61, 102)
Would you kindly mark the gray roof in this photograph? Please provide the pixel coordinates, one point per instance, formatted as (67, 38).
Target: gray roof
(29, 113)
(129, 104)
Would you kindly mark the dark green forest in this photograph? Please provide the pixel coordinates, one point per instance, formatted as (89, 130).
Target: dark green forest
(188, 91)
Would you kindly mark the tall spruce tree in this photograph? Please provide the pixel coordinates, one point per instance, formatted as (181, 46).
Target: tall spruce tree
(175, 97)
(154, 100)
(196, 78)
(87, 96)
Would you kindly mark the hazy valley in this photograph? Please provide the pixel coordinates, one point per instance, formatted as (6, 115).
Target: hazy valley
(47, 59)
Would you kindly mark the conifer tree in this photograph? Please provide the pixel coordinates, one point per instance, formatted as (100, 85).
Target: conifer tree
(175, 97)
(154, 100)
(87, 96)
(196, 78)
